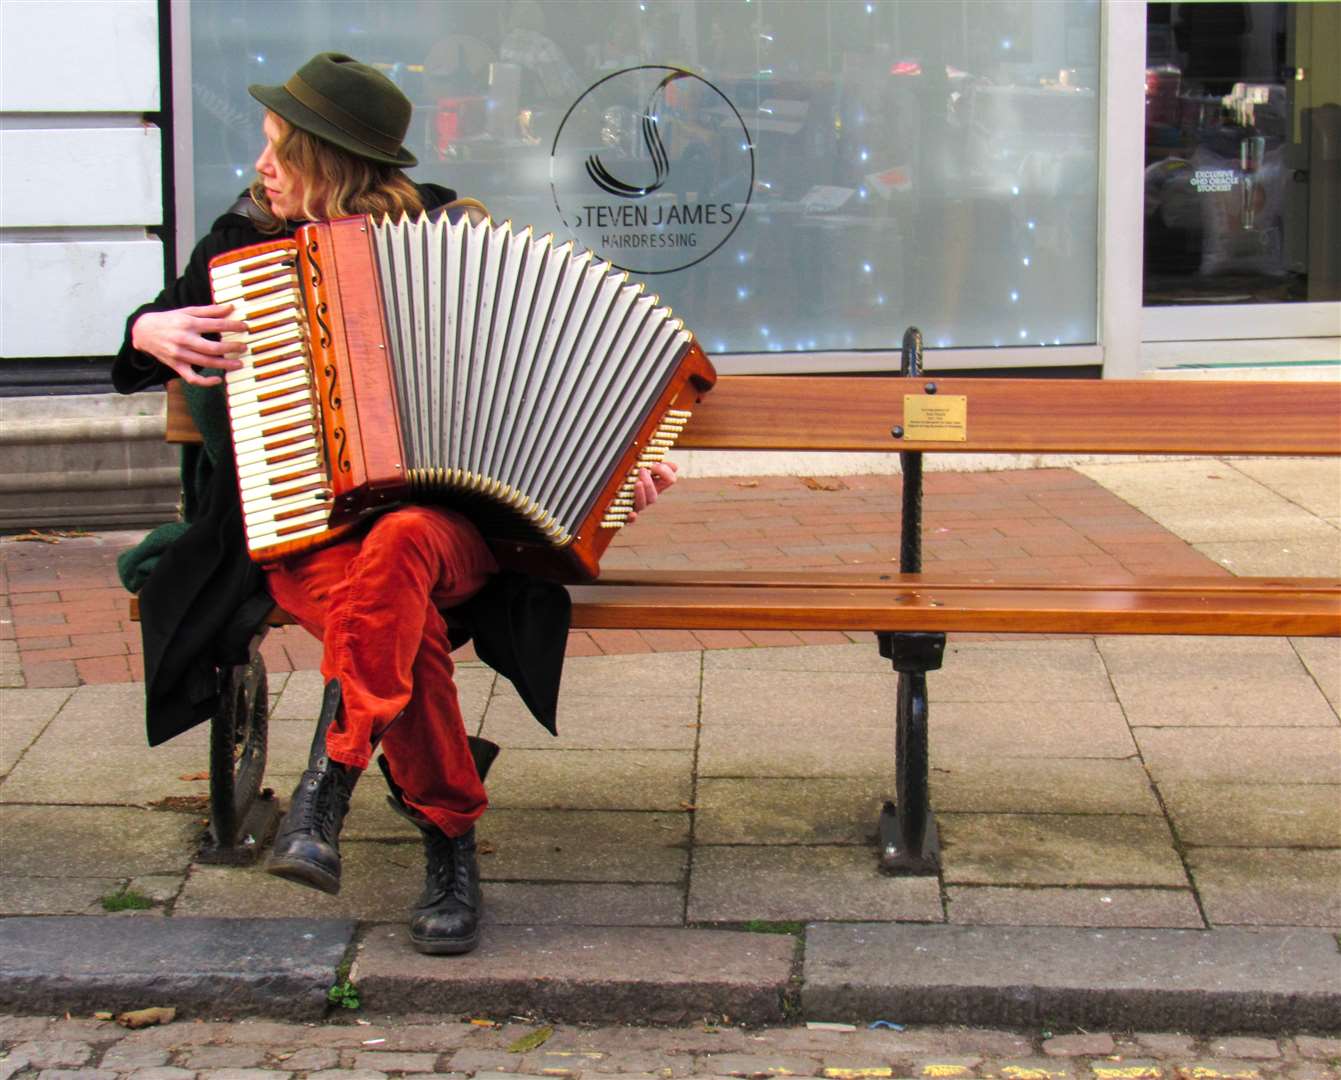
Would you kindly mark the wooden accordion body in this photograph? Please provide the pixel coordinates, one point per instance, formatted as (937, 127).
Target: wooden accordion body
(433, 360)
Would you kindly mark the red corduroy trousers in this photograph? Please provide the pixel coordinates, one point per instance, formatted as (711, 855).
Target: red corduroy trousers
(375, 603)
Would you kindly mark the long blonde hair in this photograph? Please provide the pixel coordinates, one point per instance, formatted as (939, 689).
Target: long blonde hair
(336, 182)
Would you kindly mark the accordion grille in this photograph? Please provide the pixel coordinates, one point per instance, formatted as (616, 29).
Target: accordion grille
(523, 369)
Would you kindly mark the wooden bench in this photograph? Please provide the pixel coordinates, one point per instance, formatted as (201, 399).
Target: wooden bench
(911, 611)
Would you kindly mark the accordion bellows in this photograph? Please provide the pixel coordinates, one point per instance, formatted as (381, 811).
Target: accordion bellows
(442, 360)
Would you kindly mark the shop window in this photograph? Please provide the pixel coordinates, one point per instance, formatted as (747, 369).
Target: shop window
(1242, 167)
(789, 176)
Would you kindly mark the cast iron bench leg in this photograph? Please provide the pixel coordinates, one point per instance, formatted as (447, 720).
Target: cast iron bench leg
(242, 815)
(908, 841)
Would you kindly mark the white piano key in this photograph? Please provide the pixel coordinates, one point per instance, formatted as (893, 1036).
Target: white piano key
(301, 413)
(252, 486)
(239, 409)
(263, 538)
(259, 452)
(265, 470)
(246, 382)
(269, 508)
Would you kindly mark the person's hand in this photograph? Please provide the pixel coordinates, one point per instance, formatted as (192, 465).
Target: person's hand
(177, 339)
(651, 483)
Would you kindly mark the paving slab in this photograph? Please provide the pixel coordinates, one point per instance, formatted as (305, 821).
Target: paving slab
(204, 967)
(1058, 849)
(1322, 658)
(1268, 886)
(1295, 556)
(519, 903)
(1052, 671)
(16, 736)
(781, 811)
(781, 884)
(636, 675)
(1254, 815)
(1037, 729)
(611, 721)
(860, 657)
(64, 895)
(1217, 682)
(986, 785)
(31, 705)
(583, 845)
(592, 780)
(90, 756)
(786, 723)
(1230, 755)
(379, 881)
(95, 841)
(576, 973)
(1313, 483)
(994, 905)
(1202, 981)
(1205, 500)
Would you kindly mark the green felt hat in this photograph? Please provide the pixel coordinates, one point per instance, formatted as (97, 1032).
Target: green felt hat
(348, 104)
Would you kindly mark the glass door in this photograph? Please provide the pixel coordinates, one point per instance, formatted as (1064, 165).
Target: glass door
(1242, 182)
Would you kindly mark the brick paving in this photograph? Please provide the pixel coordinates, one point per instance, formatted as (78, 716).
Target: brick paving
(74, 1048)
(64, 619)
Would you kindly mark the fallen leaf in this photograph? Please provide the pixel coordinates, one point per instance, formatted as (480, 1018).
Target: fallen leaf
(104, 1016)
(815, 484)
(529, 1042)
(33, 535)
(194, 776)
(480, 1021)
(687, 806)
(138, 1018)
(747, 483)
(485, 848)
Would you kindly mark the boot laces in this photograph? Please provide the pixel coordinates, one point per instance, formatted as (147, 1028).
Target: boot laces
(445, 875)
(322, 811)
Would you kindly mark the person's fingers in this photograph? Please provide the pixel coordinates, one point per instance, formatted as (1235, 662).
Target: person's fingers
(663, 474)
(188, 374)
(218, 348)
(191, 351)
(207, 311)
(644, 490)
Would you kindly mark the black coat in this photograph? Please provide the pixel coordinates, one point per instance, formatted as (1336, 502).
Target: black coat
(204, 599)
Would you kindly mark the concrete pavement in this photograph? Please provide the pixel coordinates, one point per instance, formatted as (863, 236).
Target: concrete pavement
(1134, 829)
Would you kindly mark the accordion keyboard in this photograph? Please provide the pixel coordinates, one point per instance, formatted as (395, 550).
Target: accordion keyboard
(277, 441)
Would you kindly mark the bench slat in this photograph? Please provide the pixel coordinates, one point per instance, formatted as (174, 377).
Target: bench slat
(1075, 580)
(1031, 416)
(1304, 607)
(1286, 608)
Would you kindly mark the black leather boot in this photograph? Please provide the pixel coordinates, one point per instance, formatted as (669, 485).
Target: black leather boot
(446, 918)
(307, 849)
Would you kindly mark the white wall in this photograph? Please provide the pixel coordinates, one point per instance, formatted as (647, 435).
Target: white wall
(80, 173)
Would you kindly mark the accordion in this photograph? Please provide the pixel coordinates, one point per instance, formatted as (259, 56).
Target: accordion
(438, 359)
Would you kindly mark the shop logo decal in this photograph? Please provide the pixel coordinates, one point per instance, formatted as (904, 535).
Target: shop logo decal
(656, 150)
(652, 169)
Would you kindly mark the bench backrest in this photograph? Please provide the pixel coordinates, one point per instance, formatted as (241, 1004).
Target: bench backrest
(1002, 415)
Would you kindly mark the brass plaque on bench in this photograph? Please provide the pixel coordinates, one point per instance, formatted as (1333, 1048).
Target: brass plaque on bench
(935, 417)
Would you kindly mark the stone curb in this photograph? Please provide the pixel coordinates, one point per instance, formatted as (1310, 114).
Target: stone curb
(1197, 981)
(592, 974)
(207, 966)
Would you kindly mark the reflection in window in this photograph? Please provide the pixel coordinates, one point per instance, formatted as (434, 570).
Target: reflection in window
(1241, 193)
(927, 161)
